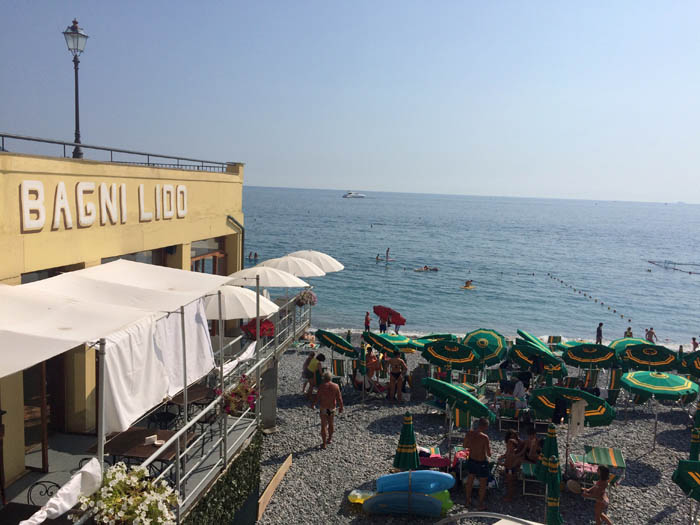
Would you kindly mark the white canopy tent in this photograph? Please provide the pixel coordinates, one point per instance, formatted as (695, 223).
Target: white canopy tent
(147, 350)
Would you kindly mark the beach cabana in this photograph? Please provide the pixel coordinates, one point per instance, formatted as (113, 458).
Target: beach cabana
(490, 344)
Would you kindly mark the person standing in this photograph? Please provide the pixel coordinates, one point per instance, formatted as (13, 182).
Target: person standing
(599, 334)
(397, 372)
(651, 335)
(327, 399)
(628, 332)
(693, 345)
(382, 325)
(598, 493)
(387, 255)
(367, 321)
(477, 441)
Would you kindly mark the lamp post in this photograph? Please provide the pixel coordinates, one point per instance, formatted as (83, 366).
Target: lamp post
(76, 39)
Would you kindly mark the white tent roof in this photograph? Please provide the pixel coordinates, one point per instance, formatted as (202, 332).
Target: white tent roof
(48, 317)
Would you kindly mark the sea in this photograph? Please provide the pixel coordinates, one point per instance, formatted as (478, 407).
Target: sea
(547, 266)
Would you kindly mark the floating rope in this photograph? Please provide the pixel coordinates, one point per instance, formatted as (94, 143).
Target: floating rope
(670, 265)
(587, 295)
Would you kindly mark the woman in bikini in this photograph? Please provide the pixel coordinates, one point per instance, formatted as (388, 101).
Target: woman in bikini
(598, 492)
(397, 370)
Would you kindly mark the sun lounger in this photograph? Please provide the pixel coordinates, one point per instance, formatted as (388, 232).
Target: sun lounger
(531, 485)
(338, 371)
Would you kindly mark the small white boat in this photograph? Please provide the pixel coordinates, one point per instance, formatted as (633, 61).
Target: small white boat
(354, 195)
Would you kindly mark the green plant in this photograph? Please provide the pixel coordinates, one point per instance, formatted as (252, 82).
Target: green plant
(129, 496)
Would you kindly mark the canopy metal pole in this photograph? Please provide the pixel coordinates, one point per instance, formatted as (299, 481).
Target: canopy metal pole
(184, 361)
(656, 421)
(101, 407)
(257, 346)
(224, 416)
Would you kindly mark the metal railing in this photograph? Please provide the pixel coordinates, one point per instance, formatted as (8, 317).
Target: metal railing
(148, 159)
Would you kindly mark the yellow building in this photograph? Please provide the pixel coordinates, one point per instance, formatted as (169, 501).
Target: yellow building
(59, 214)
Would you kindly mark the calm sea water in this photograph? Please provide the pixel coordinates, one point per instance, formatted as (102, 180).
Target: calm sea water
(508, 246)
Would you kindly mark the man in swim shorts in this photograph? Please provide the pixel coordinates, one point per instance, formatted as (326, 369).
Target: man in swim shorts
(327, 398)
(478, 464)
(599, 334)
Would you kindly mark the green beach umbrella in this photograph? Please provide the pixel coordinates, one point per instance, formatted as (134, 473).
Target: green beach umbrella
(598, 411)
(437, 337)
(489, 343)
(403, 343)
(459, 396)
(547, 471)
(649, 357)
(619, 345)
(658, 384)
(589, 355)
(690, 363)
(687, 477)
(406, 457)
(336, 343)
(452, 355)
(525, 353)
(362, 360)
(532, 339)
(381, 343)
(695, 444)
(608, 457)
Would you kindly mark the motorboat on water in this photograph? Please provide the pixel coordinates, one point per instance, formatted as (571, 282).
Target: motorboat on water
(354, 195)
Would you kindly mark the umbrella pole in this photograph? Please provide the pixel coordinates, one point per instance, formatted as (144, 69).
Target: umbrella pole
(656, 422)
(224, 417)
(257, 349)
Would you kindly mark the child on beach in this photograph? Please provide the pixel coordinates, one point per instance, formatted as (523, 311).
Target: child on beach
(327, 399)
(598, 493)
(511, 462)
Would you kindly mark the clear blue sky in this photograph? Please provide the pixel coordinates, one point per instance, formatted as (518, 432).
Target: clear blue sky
(594, 100)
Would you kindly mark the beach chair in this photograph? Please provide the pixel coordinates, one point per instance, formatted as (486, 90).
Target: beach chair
(495, 375)
(508, 415)
(531, 485)
(571, 382)
(614, 385)
(553, 341)
(338, 372)
(591, 378)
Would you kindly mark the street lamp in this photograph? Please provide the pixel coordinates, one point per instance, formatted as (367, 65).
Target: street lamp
(76, 39)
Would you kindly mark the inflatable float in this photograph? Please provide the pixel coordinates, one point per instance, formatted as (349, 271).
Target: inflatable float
(422, 481)
(468, 287)
(403, 503)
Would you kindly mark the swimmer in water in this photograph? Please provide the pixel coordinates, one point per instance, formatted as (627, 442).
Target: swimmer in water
(468, 283)
(378, 258)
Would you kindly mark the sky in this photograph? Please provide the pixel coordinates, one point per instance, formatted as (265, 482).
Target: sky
(589, 100)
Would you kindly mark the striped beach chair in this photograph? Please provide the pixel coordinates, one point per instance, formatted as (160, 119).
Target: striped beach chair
(338, 372)
(591, 378)
(572, 382)
(495, 375)
(614, 385)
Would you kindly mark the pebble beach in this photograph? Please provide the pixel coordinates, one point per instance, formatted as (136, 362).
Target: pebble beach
(316, 487)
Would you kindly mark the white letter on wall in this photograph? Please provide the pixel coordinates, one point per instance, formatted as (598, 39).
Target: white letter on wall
(86, 210)
(32, 206)
(60, 205)
(122, 202)
(181, 192)
(159, 201)
(108, 204)
(144, 216)
(168, 201)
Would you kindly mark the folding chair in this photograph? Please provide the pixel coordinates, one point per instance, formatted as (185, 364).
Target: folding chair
(338, 372)
(591, 378)
(572, 382)
(495, 375)
(531, 485)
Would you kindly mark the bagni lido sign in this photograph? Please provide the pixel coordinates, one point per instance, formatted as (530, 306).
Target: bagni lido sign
(96, 203)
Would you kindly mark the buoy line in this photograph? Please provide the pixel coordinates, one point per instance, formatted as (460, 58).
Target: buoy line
(587, 295)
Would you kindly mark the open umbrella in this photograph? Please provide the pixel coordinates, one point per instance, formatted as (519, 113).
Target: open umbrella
(525, 354)
(547, 471)
(451, 355)
(406, 457)
(437, 337)
(598, 411)
(532, 339)
(403, 343)
(381, 343)
(336, 343)
(490, 344)
(458, 396)
(690, 363)
(269, 278)
(588, 355)
(649, 357)
(324, 261)
(384, 312)
(619, 345)
(294, 265)
(687, 477)
(237, 303)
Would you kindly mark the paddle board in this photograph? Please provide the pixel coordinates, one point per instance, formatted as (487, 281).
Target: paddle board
(403, 503)
(424, 481)
(468, 287)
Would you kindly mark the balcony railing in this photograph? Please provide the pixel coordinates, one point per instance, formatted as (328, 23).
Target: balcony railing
(49, 147)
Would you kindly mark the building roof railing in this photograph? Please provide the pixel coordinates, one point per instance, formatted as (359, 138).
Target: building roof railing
(118, 156)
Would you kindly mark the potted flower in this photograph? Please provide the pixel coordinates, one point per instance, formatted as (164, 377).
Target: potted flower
(129, 496)
(239, 398)
(307, 297)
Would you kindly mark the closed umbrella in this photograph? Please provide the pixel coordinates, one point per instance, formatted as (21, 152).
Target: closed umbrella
(294, 265)
(547, 471)
(324, 261)
(269, 278)
(406, 457)
(649, 357)
(437, 337)
(237, 303)
(490, 344)
(588, 355)
(336, 343)
(380, 343)
(598, 411)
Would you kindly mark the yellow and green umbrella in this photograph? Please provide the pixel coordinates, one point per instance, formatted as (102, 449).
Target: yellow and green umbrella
(336, 343)
(403, 343)
(547, 471)
(381, 343)
(619, 345)
(406, 457)
(690, 363)
(687, 477)
(695, 444)
(598, 411)
(658, 384)
(452, 355)
(489, 343)
(648, 357)
(437, 337)
(459, 397)
(588, 355)
(525, 353)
